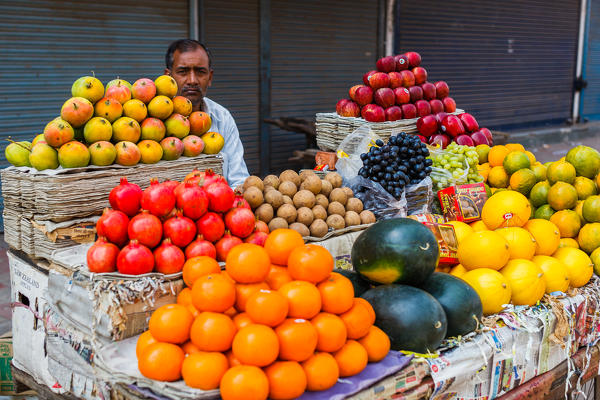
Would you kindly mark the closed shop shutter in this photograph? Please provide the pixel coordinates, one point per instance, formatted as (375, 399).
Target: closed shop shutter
(232, 34)
(591, 67)
(319, 50)
(510, 63)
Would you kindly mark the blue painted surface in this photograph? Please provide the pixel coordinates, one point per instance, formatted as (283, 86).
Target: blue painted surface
(590, 104)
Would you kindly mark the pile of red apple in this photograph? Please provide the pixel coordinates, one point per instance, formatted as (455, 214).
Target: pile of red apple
(443, 128)
(159, 228)
(398, 89)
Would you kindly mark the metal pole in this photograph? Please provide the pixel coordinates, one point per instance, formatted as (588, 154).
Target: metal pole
(389, 28)
(264, 110)
(193, 12)
(580, 50)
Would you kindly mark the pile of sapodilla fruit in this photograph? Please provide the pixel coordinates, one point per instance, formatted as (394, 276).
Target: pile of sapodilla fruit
(304, 202)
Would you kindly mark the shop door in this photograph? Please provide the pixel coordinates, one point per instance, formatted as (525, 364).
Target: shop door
(590, 105)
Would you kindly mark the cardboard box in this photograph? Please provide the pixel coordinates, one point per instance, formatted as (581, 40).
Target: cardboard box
(445, 235)
(463, 202)
(7, 386)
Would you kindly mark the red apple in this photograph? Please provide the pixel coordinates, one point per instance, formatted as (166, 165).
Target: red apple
(373, 113)
(367, 76)
(428, 90)
(348, 108)
(393, 113)
(452, 126)
(423, 108)
(442, 89)
(439, 117)
(469, 122)
(395, 79)
(379, 80)
(436, 106)
(414, 59)
(449, 104)
(408, 79)
(401, 62)
(488, 134)
(439, 139)
(422, 138)
(386, 64)
(402, 95)
(352, 91)
(339, 105)
(409, 111)
(420, 74)
(427, 125)
(416, 93)
(385, 97)
(464, 140)
(480, 138)
(363, 95)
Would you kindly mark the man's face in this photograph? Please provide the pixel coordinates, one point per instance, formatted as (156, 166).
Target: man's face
(192, 74)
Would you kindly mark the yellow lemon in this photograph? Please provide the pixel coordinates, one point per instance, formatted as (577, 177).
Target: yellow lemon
(568, 242)
(491, 286)
(579, 265)
(526, 281)
(461, 229)
(591, 209)
(546, 235)
(482, 151)
(504, 209)
(497, 177)
(585, 187)
(484, 249)
(561, 171)
(595, 257)
(579, 210)
(589, 237)
(532, 159)
(540, 172)
(562, 196)
(555, 273)
(458, 270)
(514, 161)
(539, 193)
(544, 212)
(567, 222)
(478, 226)
(522, 181)
(520, 242)
(514, 147)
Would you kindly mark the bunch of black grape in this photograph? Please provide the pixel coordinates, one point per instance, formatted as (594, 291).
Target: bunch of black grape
(400, 162)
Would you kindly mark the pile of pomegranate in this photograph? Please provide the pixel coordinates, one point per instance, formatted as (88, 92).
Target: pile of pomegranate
(443, 128)
(159, 228)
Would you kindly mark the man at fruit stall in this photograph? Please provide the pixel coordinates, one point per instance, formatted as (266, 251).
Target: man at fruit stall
(189, 62)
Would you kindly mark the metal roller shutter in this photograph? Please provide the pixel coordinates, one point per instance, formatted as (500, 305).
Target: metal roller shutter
(319, 50)
(590, 107)
(232, 35)
(510, 63)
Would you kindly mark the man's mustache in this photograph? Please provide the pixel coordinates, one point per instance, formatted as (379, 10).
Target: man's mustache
(196, 88)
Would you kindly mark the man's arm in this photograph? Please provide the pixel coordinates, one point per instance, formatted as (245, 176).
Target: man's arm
(234, 167)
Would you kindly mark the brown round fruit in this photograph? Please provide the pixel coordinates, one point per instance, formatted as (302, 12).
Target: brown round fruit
(305, 174)
(274, 198)
(305, 216)
(334, 178)
(354, 204)
(336, 221)
(348, 191)
(367, 217)
(288, 188)
(254, 181)
(312, 183)
(304, 198)
(300, 228)
(254, 196)
(336, 208)
(287, 212)
(277, 223)
(264, 212)
(287, 200)
(291, 176)
(338, 195)
(319, 212)
(318, 228)
(322, 200)
(326, 187)
(352, 218)
(271, 180)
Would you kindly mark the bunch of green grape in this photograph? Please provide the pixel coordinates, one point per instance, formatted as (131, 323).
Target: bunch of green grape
(455, 165)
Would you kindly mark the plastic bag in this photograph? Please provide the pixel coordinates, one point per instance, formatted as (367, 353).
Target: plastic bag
(419, 197)
(351, 148)
(443, 178)
(376, 199)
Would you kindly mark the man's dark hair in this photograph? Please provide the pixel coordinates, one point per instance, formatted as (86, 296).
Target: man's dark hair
(184, 45)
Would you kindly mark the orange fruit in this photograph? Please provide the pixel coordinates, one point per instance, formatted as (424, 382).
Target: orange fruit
(161, 361)
(376, 343)
(213, 292)
(331, 332)
(322, 371)
(278, 276)
(204, 370)
(303, 297)
(351, 359)
(368, 306)
(144, 341)
(496, 155)
(280, 243)
(337, 294)
(231, 359)
(212, 332)
(196, 267)
(241, 320)
(190, 348)
(311, 263)
(243, 291)
(230, 312)
(358, 320)
(171, 323)
(256, 344)
(287, 380)
(229, 278)
(185, 297)
(267, 307)
(193, 310)
(248, 263)
(297, 339)
(244, 382)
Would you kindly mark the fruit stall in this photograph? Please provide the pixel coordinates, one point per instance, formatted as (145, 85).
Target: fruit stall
(420, 261)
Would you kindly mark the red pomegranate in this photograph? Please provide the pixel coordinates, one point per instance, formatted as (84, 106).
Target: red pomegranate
(220, 197)
(135, 259)
(126, 197)
(158, 199)
(240, 202)
(168, 258)
(179, 189)
(193, 200)
(211, 226)
(225, 244)
(257, 237)
(240, 221)
(113, 225)
(146, 229)
(181, 230)
(102, 256)
(261, 226)
(200, 247)
(210, 177)
(171, 184)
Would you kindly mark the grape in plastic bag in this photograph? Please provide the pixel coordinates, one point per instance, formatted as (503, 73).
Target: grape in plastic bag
(351, 148)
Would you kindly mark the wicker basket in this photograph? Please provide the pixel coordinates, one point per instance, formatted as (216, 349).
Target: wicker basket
(332, 129)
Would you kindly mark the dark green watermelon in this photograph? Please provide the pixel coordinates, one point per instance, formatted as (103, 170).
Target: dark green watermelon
(398, 250)
(411, 317)
(459, 300)
(360, 285)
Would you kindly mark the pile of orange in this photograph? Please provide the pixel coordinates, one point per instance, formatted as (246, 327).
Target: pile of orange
(275, 323)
